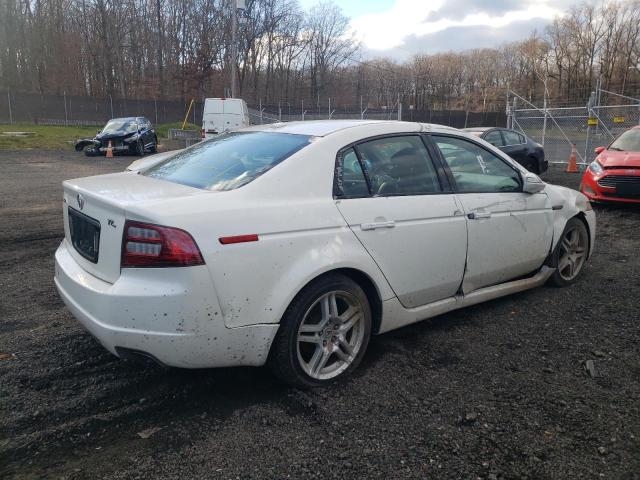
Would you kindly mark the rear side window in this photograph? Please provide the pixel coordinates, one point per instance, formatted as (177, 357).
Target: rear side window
(399, 166)
(512, 138)
(494, 138)
(228, 161)
(350, 179)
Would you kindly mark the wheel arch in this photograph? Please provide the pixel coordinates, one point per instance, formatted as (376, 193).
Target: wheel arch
(365, 282)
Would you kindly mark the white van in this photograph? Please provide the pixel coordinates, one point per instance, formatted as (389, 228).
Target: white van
(222, 114)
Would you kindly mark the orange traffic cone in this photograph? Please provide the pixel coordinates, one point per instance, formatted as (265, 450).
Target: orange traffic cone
(572, 166)
(110, 150)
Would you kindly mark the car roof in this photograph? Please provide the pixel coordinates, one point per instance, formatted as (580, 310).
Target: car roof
(127, 119)
(323, 128)
(478, 129)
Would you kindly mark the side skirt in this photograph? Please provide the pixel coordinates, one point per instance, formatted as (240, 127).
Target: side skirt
(394, 315)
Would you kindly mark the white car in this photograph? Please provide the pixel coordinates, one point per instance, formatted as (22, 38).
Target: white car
(291, 244)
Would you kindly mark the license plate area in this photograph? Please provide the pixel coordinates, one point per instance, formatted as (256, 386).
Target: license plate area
(85, 234)
(628, 189)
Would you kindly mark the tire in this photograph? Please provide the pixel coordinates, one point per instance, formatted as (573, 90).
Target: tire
(333, 345)
(154, 149)
(139, 148)
(570, 255)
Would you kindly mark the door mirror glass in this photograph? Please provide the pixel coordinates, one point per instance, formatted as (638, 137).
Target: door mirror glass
(599, 150)
(532, 183)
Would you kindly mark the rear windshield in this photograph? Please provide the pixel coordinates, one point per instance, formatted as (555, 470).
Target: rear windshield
(629, 141)
(228, 161)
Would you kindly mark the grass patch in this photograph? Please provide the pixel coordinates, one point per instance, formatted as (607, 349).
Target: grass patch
(58, 137)
(43, 136)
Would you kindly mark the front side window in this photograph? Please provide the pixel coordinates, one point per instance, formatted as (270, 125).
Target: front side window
(494, 138)
(399, 166)
(476, 169)
(512, 138)
(228, 161)
(629, 141)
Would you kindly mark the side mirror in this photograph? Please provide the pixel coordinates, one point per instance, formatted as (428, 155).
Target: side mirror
(532, 183)
(599, 150)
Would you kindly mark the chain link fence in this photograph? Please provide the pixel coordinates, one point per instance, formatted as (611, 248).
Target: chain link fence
(75, 110)
(587, 127)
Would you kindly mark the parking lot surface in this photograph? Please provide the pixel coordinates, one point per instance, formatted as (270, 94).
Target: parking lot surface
(543, 384)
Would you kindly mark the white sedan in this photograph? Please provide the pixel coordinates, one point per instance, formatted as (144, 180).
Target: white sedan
(291, 244)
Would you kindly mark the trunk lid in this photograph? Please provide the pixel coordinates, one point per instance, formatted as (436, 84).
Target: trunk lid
(95, 210)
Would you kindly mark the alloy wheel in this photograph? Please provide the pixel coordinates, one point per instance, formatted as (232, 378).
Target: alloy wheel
(330, 335)
(573, 252)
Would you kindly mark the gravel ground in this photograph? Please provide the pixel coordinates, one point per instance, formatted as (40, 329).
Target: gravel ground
(498, 390)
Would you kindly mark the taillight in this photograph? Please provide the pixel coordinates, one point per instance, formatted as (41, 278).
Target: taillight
(145, 245)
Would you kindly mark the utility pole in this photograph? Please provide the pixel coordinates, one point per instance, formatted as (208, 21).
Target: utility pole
(236, 6)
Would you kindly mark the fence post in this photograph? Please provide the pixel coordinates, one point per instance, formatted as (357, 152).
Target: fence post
(302, 109)
(155, 106)
(10, 111)
(399, 109)
(279, 112)
(66, 115)
(260, 110)
(544, 122)
(111, 102)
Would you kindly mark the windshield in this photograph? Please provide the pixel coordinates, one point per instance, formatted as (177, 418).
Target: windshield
(629, 141)
(120, 126)
(228, 161)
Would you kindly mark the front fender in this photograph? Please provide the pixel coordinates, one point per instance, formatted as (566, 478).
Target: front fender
(81, 144)
(568, 203)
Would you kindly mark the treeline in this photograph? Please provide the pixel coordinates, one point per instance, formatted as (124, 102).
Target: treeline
(170, 49)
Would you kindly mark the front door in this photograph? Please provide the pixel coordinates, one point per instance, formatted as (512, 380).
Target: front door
(510, 232)
(402, 211)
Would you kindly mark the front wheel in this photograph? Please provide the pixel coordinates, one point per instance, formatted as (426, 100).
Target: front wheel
(139, 148)
(570, 254)
(323, 334)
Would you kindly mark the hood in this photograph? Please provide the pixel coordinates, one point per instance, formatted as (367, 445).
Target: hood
(614, 159)
(109, 136)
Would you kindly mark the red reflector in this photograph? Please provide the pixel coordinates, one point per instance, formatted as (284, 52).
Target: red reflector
(238, 239)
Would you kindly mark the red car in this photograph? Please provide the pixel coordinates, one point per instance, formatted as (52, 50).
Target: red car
(614, 176)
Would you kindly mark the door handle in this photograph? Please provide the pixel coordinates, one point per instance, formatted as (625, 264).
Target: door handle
(478, 215)
(376, 225)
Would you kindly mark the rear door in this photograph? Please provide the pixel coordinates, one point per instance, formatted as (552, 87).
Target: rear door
(401, 208)
(509, 231)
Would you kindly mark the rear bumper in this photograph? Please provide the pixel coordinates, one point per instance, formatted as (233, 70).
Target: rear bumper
(596, 193)
(170, 314)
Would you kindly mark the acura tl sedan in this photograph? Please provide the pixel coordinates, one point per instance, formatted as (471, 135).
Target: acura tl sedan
(291, 244)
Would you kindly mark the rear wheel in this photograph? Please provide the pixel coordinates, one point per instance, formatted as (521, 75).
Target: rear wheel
(154, 148)
(571, 253)
(323, 334)
(532, 165)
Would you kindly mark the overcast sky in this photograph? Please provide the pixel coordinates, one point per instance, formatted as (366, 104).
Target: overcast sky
(401, 28)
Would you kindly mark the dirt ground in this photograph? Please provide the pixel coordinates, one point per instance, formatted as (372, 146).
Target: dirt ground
(498, 390)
